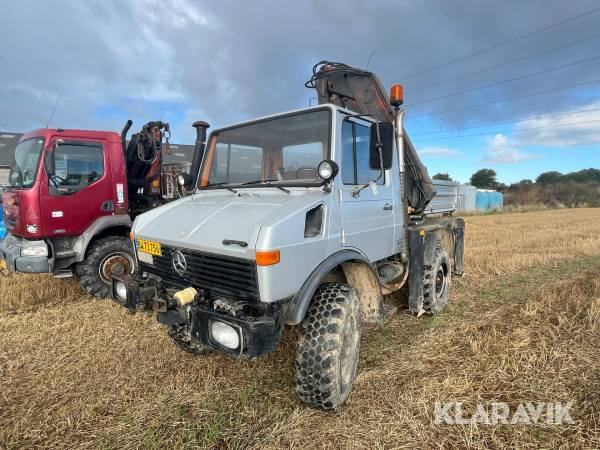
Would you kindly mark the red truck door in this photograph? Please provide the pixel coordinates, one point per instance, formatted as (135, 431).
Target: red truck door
(81, 189)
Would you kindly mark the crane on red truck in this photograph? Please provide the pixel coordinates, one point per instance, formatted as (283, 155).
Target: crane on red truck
(73, 195)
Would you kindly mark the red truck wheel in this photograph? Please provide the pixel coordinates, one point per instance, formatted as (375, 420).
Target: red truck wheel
(105, 258)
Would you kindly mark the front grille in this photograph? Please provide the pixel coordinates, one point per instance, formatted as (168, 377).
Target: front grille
(222, 274)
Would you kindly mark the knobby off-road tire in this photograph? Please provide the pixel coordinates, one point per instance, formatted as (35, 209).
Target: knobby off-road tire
(328, 346)
(105, 258)
(181, 338)
(437, 279)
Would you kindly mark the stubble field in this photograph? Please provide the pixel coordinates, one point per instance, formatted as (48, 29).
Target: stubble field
(523, 325)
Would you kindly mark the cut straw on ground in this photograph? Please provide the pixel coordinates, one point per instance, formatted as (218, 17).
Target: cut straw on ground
(522, 325)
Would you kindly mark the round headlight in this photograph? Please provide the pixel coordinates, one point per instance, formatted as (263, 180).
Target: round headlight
(328, 169)
(180, 180)
(121, 290)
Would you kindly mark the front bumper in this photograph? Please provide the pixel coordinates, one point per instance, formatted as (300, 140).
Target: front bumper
(257, 336)
(258, 326)
(10, 251)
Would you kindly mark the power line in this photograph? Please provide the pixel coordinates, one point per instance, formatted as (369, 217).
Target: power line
(501, 44)
(506, 122)
(369, 59)
(53, 109)
(506, 81)
(515, 97)
(511, 131)
(497, 66)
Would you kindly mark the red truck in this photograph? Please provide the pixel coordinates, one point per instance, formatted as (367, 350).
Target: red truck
(73, 195)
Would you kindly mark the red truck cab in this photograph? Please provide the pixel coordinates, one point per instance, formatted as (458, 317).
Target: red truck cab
(51, 220)
(73, 195)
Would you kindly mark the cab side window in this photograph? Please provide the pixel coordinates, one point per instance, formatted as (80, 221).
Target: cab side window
(356, 141)
(77, 166)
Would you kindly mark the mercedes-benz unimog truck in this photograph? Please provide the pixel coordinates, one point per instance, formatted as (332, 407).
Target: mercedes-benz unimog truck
(306, 218)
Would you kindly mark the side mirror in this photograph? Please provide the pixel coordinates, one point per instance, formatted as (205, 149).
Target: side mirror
(386, 137)
(49, 162)
(328, 169)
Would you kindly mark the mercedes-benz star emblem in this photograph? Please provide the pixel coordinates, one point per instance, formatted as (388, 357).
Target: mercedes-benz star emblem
(179, 262)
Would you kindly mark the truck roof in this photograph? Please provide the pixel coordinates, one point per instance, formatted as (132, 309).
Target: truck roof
(83, 134)
(330, 106)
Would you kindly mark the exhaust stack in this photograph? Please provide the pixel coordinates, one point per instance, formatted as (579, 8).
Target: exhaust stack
(124, 132)
(199, 148)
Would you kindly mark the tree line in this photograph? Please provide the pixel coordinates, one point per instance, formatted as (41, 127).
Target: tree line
(551, 189)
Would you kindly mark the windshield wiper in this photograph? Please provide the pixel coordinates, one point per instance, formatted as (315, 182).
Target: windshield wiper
(222, 183)
(258, 182)
(269, 182)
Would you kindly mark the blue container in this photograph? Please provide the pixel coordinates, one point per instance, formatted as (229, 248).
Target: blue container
(2, 226)
(487, 200)
(482, 200)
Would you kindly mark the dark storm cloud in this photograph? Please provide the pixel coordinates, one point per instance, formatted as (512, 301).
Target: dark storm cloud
(226, 61)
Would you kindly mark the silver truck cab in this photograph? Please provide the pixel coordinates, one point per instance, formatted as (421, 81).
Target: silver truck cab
(298, 218)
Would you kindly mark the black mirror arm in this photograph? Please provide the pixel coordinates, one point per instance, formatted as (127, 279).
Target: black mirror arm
(379, 146)
(49, 163)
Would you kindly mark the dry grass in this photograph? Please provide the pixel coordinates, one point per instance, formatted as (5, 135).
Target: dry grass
(78, 372)
(498, 244)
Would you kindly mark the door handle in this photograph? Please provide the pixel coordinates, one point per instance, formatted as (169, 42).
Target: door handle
(388, 207)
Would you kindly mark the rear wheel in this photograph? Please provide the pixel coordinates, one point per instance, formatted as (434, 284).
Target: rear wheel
(328, 347)
(437, 279)
(104, 259)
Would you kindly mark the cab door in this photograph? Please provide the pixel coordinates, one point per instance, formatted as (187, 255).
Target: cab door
(81, 189)
(367, 216)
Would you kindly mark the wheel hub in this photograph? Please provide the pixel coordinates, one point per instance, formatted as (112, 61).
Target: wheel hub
(115, 264)
(440, 280)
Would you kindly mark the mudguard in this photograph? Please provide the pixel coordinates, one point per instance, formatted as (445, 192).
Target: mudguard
(422, 240)
(295, 309)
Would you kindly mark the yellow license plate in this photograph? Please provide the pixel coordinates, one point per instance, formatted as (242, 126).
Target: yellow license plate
(3, 265)
(149, 247)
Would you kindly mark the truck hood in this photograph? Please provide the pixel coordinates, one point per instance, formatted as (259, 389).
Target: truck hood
(204, 220)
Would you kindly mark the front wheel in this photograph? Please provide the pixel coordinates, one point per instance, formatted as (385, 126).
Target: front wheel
(328, 347)
(104, 259)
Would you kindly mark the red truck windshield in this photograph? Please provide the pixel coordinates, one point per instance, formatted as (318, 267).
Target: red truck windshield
(27, 155)
(284, 150)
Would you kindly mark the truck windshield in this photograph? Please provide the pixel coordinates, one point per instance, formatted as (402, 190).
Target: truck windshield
(283, 150)
(27, 154)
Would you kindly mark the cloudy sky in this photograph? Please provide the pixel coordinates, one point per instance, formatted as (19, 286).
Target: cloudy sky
(522, 108)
